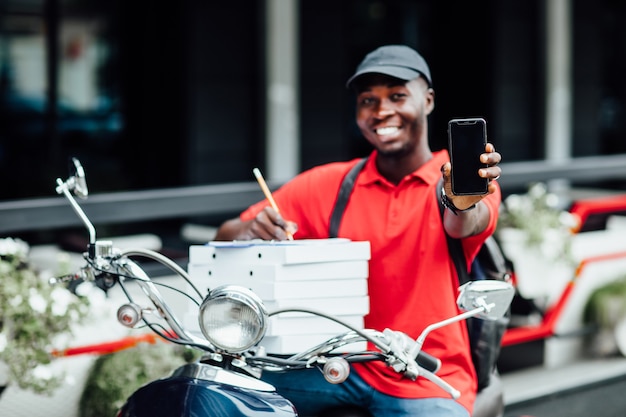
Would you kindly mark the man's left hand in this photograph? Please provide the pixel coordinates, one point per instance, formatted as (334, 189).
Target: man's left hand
(492, 172)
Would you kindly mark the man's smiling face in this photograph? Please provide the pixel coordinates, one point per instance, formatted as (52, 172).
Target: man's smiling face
(391, 113)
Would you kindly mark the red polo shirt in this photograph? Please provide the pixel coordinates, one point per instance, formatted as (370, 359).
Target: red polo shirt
(412, 281)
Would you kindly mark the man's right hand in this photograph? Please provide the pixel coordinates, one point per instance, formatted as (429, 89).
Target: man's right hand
(267, 225)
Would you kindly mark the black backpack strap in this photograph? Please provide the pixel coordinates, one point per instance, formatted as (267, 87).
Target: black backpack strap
(497, 266)
(342, 197)
(454, 245)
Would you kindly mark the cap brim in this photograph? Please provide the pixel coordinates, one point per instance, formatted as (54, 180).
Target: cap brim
(401, 73)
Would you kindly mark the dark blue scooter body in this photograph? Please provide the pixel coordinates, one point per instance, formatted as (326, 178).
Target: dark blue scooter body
(182, 396)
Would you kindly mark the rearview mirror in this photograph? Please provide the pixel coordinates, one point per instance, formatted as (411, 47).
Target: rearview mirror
(493, 296)
(76, 182)
(79, 182)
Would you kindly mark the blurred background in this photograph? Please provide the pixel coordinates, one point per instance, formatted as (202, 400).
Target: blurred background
(162, 95)
(170, 105)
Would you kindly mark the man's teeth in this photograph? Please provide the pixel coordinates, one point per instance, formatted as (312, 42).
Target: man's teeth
(387, 130)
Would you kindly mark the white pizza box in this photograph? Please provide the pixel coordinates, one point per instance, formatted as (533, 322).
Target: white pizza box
(238, 271)
(291, 344)
(275, 290)
(280, 252)
(338, 306)
(281, 326)
(294, 331)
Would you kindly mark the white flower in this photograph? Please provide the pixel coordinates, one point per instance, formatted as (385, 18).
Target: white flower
(537, 190)
(15, 247)
(514, 202)
(569, 220)
(62, 299)
(16, 301)
(43, 372)
(36, 301)
(552, 200)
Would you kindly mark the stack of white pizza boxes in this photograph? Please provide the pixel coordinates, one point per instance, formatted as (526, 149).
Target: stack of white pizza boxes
(327, 275)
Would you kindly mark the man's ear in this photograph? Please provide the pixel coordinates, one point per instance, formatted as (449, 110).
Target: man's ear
(429, 95)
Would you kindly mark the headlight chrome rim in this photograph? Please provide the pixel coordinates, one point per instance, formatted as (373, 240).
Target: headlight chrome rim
(236, 297)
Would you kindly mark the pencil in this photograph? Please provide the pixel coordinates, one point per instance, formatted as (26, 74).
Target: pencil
(268, 194)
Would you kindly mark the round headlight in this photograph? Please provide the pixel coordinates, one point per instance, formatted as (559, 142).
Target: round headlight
(233, 318)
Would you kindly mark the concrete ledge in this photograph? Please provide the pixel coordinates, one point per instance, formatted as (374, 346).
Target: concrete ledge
(534, 384)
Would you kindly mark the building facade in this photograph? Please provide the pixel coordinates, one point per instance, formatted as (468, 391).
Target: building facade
(196, 92)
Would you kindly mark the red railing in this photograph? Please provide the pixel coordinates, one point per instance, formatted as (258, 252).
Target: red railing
(546, 328)
(108, 347)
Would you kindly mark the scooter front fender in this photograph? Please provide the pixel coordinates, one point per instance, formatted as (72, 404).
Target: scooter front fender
(183, 396)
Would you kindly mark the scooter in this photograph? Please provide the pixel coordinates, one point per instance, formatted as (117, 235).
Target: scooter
(225, 381)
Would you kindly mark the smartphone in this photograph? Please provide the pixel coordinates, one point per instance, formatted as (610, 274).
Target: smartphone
(466, 141)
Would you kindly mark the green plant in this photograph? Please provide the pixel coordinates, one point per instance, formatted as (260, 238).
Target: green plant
(36, 318)
(114, 377)
(604, 314)
(547, 226)
(606, 305)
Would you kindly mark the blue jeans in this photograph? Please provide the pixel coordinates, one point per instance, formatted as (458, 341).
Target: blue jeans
(310, 393)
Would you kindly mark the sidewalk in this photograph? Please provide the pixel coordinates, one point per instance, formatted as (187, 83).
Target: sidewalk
(525, 390)
(582, 389)
(534, 383)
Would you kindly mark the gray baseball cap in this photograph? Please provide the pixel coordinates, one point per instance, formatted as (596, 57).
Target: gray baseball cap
(398, 61)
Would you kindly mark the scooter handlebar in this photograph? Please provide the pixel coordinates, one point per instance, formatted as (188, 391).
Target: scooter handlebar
(428, 362)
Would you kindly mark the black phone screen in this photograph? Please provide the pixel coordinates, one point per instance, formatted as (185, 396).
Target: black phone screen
(466, 141)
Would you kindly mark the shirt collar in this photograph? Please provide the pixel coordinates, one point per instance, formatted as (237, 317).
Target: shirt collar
(429, 173)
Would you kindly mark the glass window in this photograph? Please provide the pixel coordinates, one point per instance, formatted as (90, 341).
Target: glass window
(56, 98)
(146, 97)
(599, 88)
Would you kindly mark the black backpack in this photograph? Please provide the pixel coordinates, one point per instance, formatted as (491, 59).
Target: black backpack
(490, 263)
